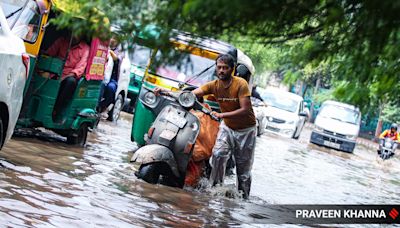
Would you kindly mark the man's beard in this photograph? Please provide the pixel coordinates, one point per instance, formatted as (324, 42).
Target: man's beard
(224, 77)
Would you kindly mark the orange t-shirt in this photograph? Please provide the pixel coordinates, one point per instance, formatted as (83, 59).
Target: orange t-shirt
(388, 134)
(228, 99)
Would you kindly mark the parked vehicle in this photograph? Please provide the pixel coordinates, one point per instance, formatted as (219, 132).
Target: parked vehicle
(41, 90)
(139, 58)
(14, 65)
(260, 111)
(285, 113)
(386, 150)
(170, 139)
(337, 126)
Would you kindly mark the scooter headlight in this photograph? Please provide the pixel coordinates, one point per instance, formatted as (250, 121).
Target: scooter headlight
(150, 98)
(187, 99)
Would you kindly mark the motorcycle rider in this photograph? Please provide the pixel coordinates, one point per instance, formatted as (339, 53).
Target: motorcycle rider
(389, 133)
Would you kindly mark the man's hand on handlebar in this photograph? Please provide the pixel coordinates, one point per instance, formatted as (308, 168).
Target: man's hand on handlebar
(218, 115)
(158, 91)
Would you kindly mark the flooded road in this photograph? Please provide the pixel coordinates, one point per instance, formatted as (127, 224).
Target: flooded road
(44, 183)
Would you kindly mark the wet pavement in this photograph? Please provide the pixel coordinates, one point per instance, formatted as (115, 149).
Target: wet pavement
(45, 182)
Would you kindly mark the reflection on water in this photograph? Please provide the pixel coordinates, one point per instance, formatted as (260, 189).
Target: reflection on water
(44, 182)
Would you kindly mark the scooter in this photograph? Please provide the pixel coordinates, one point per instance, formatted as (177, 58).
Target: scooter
(385, 150)
(171, 138)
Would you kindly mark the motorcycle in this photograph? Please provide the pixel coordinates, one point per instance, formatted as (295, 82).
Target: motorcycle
(171, 138)
(386, 149)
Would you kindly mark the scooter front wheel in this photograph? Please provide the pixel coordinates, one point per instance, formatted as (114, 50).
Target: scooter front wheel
(150, 172)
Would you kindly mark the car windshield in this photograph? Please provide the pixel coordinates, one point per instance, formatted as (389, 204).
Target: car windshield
(23, 17)
(281, 102)
(184, 67)
(340, 113)
(140, 55)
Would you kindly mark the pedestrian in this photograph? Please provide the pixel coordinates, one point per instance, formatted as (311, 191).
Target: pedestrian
(110, 85)
(237, 132)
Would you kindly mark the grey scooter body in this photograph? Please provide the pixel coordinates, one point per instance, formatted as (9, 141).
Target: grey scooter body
(170, 141)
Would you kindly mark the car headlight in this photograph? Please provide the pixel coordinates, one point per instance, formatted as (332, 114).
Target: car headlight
(187, 99)
(351, 137)
(150, 98)
(317, 128)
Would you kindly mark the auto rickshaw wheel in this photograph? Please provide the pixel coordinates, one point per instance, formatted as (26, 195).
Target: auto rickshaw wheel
(114, 113)
(79, 136)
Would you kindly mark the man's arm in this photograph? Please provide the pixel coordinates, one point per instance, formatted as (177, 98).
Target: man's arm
(198, 92)
(382, 136)
(245, 106)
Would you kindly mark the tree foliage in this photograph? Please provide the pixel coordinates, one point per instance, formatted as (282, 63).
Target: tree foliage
(353, 44)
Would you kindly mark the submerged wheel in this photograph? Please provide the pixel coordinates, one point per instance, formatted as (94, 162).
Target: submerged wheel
(79, 137)
(150, 172)
(2, 133)
(113, 115)
(294, 134)
(159, 172)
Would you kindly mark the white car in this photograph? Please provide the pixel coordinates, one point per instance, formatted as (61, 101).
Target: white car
(285, 113)
(14, 65)
(337, 126)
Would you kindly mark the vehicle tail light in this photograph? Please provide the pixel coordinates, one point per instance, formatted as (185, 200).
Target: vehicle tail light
(25, 60)
(150, 132)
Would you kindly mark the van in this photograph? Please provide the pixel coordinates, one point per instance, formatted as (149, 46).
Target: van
(337, 126)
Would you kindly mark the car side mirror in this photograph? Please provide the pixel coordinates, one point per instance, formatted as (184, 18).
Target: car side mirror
(304, 114)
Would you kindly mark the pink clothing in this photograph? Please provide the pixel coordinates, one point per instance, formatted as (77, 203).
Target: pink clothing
(77, 56)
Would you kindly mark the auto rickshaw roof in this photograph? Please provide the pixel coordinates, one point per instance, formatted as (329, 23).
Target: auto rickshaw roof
(152, 32)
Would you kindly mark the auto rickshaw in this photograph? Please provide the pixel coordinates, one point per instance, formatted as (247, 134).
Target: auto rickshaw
(196, 67)
(41, 91)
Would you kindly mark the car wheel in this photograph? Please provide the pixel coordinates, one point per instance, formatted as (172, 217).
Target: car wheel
(79, 137)
(258, 131)
(1, 133)
(113, 115)
(294, 134)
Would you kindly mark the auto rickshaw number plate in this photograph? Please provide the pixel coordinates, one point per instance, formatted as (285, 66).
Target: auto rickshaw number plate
(176, 119)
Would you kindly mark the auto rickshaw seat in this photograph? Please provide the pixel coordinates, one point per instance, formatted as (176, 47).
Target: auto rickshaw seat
(50, 64)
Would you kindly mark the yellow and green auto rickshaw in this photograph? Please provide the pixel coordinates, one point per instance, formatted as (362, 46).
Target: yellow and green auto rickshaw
(195, 67)
(78, 115)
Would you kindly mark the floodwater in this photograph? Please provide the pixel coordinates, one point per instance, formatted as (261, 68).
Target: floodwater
(47, 183)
